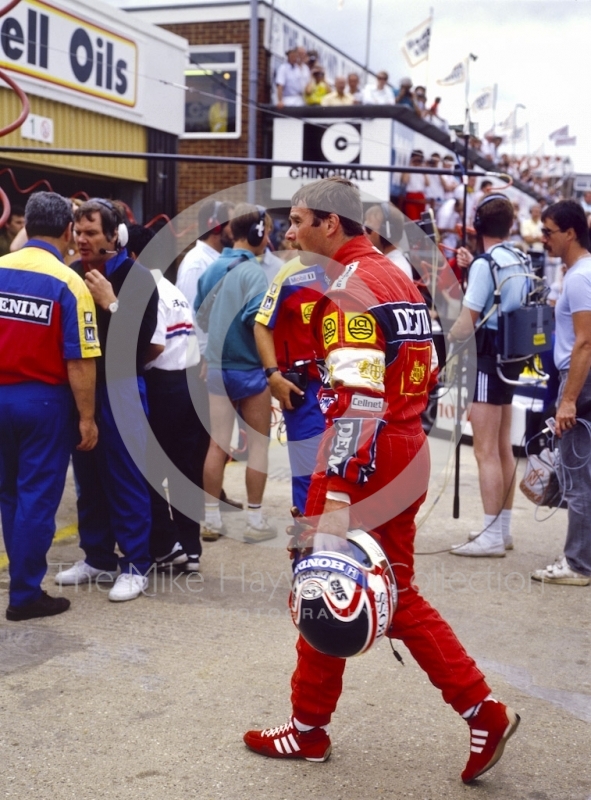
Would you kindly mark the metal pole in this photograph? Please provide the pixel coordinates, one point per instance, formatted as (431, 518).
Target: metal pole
(263, 162)
(460, 364)
(368, 36)
(253, 83)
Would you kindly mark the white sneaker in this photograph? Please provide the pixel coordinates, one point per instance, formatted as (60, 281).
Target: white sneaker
(560, 573)
(478, 548)
(128, 587)
(82, 572)
(508, 540)
(255, 533)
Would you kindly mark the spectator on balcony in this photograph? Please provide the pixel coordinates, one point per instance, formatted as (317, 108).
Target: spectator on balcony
(353, 88)
(317, 87)
(381, 94)
(420, 101)
(404, 95)
(291, 80)
(310, 59)
(339, 97)
(305, 62)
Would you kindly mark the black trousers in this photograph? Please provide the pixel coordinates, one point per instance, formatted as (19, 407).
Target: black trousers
(180, 424)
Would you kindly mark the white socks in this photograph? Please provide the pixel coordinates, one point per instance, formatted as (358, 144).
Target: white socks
(305, 728)
(473, 710)
(492, 532)
(506, 524)
(213, 517)
(255, 515)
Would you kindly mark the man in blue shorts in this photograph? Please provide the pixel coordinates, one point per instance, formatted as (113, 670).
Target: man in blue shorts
(229, 294)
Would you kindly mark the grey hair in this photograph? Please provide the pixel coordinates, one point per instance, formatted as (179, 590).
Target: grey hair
(47, 214)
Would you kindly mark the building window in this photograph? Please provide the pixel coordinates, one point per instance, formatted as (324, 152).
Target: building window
(213, 98)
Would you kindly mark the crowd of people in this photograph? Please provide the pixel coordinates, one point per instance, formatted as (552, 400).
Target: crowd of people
(301, 80)
(92, 350)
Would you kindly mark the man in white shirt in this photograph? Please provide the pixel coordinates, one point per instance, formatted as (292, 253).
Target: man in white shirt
(531, 230)
(214, 220)
(384, 227)
(566, 236)
(381, 94)
(448, 182)
(291, 80)
(416, 185)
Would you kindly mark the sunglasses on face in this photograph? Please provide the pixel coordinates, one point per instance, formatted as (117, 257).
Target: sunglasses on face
(547, 232)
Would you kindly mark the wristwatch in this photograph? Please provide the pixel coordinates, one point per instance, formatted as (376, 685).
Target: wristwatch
(270, 370)
(113, 306)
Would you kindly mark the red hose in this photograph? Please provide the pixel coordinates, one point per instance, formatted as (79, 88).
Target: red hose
(42, 182)
(9, 7)
(5, 208)
(24, 102)
(167, 219)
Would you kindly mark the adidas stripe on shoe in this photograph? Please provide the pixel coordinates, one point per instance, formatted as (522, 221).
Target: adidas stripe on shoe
(286, 741)
(491, 727)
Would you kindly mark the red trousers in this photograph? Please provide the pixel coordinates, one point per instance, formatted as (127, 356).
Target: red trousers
(387, 504)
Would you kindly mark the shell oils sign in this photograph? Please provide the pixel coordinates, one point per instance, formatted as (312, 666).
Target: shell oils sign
(54, 45)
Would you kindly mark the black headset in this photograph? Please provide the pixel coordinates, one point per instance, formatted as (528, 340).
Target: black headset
(213, 223)
(478, 218)
(256, 232)
(121, 228)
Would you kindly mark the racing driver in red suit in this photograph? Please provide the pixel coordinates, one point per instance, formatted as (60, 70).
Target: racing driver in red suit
(372, 335)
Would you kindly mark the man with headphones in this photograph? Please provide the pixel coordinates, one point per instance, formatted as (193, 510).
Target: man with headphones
(113, 500)
(384, 226)
(229, 294)
(490, 414)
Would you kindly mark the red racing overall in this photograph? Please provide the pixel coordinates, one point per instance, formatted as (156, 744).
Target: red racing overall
(373, 333)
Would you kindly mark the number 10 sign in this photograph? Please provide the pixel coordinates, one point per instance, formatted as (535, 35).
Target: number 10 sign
(38, 128)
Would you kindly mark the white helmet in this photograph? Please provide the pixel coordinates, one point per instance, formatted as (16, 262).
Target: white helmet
(343, 595)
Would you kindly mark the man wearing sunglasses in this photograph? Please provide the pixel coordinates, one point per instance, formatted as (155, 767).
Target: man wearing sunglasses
(566, 236)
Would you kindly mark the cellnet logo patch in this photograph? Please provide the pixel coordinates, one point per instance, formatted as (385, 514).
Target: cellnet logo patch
(338, 145)
(25, 308)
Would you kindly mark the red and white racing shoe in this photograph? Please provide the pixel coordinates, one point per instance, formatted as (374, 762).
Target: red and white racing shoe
(490, 729)
(287, 741)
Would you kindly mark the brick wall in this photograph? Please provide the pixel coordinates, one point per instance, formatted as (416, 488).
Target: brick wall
(196, 181)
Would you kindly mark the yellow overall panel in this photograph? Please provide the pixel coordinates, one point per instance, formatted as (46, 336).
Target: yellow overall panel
(78, 129)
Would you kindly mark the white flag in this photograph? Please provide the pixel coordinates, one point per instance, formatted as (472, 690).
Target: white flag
(507, 125)
(457, 75)
(485, 100)
(518, 134)
(559, 141)
(559, 133)
(415, 45)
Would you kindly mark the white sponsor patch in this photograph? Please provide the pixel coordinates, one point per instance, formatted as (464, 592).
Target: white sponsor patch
(301, 277)
(341, 281)
(358, 368)
(363, 403)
